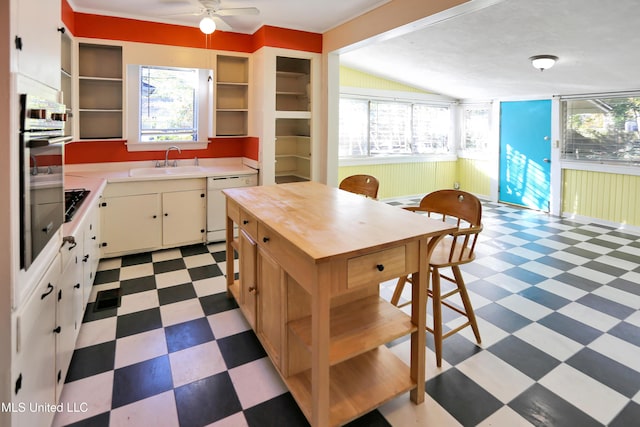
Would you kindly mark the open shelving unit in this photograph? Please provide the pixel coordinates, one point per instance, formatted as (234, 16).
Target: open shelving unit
(232, 95)
(293, 120)
(100, 91)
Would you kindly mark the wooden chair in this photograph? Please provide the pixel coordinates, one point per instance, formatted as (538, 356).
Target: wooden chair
(465, 210)
(365, 185)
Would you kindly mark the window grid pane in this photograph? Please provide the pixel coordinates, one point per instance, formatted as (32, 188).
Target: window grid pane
(168, 104)
(602, 129)
(354, 128)
(476, 124)
(431, 127)
(390, 128)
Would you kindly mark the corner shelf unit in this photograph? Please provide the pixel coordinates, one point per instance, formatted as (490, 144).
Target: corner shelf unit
(293, 120)
(232, 96)
(100, 91)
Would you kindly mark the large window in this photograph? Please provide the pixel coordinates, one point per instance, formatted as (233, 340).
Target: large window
(381, 128)
(168, 106)
(603, 129)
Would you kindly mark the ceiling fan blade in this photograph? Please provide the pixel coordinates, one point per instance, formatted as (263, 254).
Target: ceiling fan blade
(238, 11)
(221, 24)
(185, 14)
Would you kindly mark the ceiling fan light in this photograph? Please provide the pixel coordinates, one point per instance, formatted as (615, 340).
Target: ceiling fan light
(207, 25)
(543, 62)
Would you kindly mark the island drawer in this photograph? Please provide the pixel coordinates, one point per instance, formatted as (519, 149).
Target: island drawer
(376, 267)
(249, 224)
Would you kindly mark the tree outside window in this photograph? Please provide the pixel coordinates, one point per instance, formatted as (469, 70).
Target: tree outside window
(168, 104)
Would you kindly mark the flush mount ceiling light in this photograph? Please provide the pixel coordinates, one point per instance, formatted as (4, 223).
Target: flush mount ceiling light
(207, 25)
(543, 62)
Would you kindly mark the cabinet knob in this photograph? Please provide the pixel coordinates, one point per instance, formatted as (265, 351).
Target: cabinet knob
(155, 216)
(166, 214)
(252, 288)
(77, 286)
(245, 221)
(57, 330)
(265, 239)
(380, 267)
(85, 258)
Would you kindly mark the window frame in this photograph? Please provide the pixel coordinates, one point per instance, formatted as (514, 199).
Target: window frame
(410, 98)
(204, 110)
(587, 158)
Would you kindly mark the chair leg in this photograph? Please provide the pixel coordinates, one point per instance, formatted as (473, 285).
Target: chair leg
(398, 291)
(437, 314)
(466, 301)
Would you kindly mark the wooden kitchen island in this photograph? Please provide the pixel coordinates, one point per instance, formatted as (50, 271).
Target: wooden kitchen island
(311, 258)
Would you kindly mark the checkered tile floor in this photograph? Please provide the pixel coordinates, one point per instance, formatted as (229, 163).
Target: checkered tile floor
(558, 304)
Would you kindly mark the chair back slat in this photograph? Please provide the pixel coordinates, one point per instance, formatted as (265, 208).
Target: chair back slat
(459, 207)
(365, 185)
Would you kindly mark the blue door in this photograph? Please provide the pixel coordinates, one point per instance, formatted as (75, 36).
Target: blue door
(525, 153)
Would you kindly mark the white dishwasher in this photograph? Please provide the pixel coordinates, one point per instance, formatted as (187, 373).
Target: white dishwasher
(216, 210)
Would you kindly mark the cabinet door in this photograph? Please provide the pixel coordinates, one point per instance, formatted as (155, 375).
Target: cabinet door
(131, 223)
(34, 377)
(247, 272)
(270, 305)
(91, 250)
(183, 217)
(39, 52)
(69, 314)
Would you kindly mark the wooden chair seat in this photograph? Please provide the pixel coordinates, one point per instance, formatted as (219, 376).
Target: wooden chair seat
(451, 252)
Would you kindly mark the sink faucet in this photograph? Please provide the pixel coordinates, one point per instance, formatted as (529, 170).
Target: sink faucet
(166, 156)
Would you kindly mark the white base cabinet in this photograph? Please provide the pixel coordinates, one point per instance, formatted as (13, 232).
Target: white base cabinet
(34, 368)
(150, 215)
(79, 265)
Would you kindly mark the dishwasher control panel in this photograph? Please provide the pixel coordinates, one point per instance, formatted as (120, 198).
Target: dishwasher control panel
(222, 182)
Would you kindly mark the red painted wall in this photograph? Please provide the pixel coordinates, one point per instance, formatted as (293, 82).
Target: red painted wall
(131, 30)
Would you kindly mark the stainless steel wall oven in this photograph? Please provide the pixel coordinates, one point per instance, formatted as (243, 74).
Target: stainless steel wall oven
(41, 174)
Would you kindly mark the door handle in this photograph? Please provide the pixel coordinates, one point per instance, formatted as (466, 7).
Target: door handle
(546, 160)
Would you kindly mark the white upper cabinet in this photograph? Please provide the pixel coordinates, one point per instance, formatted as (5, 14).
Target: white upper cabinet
(37, 40)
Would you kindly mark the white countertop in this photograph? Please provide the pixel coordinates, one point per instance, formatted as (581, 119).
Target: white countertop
(95, 177)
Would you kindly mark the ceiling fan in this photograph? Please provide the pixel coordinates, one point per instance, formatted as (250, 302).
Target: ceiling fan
(213, 14)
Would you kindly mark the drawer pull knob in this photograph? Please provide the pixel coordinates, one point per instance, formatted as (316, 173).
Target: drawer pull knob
(245, 221)
(265, 239)
(57, 330)
(252, 288)
(380, 267)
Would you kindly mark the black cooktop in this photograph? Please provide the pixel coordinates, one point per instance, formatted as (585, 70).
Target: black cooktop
(72, 201)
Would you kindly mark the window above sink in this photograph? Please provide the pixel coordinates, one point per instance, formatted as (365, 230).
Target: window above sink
(169, 106)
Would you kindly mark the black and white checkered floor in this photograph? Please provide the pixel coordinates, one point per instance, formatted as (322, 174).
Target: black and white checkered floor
(558, 304)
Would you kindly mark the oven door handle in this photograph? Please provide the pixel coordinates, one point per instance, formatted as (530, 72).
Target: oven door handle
(43, 142)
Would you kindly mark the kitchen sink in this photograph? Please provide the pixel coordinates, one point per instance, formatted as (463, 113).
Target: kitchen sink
(164, 171)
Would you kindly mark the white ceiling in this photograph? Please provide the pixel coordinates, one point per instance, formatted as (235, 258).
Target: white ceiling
(479, 54)
(307, 15)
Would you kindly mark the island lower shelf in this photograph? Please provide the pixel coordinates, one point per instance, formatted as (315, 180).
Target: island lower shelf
(357, 385)
(358, 327)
